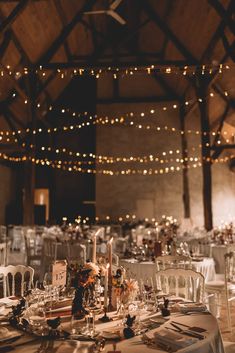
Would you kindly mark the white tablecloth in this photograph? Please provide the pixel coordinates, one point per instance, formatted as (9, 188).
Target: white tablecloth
(212, 343)
(146, 270)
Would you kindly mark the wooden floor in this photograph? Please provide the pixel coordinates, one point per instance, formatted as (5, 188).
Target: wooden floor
(19, 258)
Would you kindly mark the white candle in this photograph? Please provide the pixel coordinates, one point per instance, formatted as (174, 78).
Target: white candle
(94, 249)
(94, 245)
(106, 286)
(110, 255)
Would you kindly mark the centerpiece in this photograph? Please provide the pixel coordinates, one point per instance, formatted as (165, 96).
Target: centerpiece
(83, 280)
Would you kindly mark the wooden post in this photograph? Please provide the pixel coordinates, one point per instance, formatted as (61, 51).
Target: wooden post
(29, 167)
(184, 146)
(202, 85)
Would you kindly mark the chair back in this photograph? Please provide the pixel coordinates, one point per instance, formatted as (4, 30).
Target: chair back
(3, 233)
(76, 252)
(180, 282)
(3, 254)
(9, 272)
(18, 238)
(229, 258)
(169, 261)
(33, 245)
(49, 248)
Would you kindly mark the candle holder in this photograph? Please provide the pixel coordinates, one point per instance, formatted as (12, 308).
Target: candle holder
(105, 318)
(110, 306)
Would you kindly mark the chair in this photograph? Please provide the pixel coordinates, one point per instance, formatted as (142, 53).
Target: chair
(12, 271)
(169, 261)
(33, 246)
(3, 234)
(3, 254)
(18, 238)
(226, 286)
(180, 282)
(76, 252)
(49, 254)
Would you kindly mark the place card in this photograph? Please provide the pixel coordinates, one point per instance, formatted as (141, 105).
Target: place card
(59, 273)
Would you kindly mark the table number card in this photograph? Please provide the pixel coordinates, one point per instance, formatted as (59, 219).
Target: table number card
(59, 273)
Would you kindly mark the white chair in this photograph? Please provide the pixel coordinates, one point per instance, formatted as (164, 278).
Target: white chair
(76, 252)
(169, 261)
(3, 254)
(18, 238)
(33, 247)
(3, 234)
(180, 282)
(49, 254)
(224, 287)
(8, 274)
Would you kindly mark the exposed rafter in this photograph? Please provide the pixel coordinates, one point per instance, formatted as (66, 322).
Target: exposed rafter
(46, 57)
(8, 21)
(223, 13)
(218, 133)
(5, 43)
(168, 32)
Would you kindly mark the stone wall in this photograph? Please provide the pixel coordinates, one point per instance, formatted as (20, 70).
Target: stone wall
(155, 195)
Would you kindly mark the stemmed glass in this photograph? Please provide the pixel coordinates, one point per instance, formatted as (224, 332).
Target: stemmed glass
(93, 307)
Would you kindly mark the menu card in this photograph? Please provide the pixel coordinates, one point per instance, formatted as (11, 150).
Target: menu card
(59, 273)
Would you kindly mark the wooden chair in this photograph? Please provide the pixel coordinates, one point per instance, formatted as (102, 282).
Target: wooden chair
(169, 261)
(180, 282)
(8, 274)
(226, 286)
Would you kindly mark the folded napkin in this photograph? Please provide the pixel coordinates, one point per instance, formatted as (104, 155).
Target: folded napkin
(6, 334)
(173, 340)
(8, 301)
(190, 307)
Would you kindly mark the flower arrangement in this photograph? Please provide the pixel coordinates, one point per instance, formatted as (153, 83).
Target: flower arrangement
(129, 291)
(125, 289)
(83, 281)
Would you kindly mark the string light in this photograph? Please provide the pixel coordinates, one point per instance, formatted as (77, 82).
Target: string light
(70, 166)
(117, 71)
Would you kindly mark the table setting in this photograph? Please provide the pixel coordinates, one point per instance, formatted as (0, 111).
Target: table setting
(184, 331)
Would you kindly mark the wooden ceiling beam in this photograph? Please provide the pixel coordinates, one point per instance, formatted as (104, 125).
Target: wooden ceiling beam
(221, 11)
(63, 21)
(8, 21)
(46, 57)
(149, 10)
(5, 43)
(218, 132)
(230, 49)
(217, 34)
(86, 63)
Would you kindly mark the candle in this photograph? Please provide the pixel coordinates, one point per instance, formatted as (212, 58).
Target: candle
(106, 286)
(94, 249)
(94, 245)
(110, 255)
(151, 281)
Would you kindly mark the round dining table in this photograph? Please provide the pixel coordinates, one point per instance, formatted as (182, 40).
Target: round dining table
(210, 341)
(145, 270)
